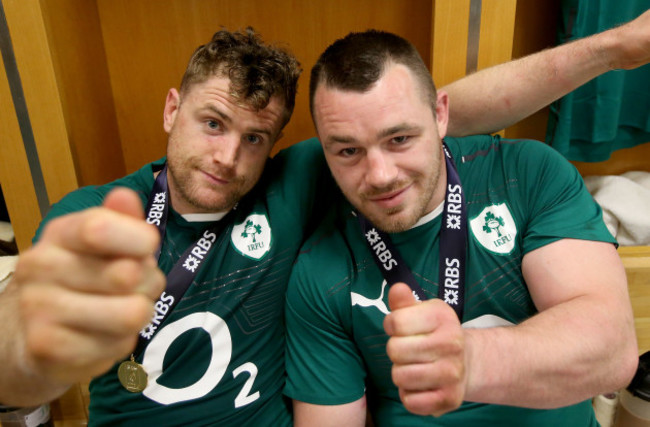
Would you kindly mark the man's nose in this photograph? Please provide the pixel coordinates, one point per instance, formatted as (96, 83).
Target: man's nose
(226, 151)
(381, 169)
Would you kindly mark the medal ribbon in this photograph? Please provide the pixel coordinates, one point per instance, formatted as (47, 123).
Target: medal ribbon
(186, 268)
(453, 244)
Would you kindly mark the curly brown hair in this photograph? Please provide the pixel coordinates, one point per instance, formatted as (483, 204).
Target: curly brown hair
(257, 71)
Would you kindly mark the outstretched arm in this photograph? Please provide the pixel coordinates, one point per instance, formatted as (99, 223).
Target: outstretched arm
(77, 300)
(514, 90)
(581, 344)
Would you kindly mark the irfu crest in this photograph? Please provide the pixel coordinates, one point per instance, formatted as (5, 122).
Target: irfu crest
(493, 223)
(252, 238)
(495, 229)
(251, 229)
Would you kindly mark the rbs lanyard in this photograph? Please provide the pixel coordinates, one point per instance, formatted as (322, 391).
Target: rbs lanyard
(453, 244)
(184, 271)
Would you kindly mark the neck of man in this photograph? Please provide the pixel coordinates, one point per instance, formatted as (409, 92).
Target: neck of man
(429, 216)
(187, 210)
(436, 203)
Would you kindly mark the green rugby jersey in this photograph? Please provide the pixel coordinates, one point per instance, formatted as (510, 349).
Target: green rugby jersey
(520, 196)
(219, 357)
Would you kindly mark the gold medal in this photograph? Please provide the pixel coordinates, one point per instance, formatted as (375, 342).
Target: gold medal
(132, 376)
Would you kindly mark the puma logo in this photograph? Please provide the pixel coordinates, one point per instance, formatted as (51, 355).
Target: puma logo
(485, 321)
(379, 303)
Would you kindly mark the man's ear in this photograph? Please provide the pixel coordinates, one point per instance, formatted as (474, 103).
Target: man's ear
(442, 113)
(172, 103)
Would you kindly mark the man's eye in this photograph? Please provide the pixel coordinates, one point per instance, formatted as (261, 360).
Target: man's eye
(400, 139)
(347, 152)
(253, 139)
(214, 125)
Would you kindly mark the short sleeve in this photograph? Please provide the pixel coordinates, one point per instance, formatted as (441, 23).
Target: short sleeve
(322, 361)
(559, 204)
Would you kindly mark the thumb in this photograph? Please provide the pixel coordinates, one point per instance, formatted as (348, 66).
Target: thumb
(125, 201)
(400, 296)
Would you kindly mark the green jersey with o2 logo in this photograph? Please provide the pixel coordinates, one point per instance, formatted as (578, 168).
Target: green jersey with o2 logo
(217, 359)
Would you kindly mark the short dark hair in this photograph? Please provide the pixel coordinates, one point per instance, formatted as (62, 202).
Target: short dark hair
(257, 71)
(358, 60)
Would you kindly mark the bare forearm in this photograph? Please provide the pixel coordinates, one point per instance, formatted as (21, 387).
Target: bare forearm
(537, 364)
(21, 389)
(351, 414)
(19, 384)
(500, 96)
(513, 91)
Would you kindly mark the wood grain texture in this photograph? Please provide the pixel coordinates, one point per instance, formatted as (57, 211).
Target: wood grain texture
(34, 61)
(636, 260)
(449, 40)
(148, 44)
(497, 29)
(81, 72)
(15, 176)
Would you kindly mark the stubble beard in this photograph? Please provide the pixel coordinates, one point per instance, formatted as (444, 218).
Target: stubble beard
(191, 193)
(396, 220)
(390, 220)
(203, 198)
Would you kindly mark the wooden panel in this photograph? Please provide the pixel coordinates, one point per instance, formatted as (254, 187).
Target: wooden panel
(535, 30)
(636, 259)
(34, 62)
(639, 289)
(149, 42)
(71, 409)
(449, 35)
(497, 29)
(79, 60)
(15, 177)
(637, 266)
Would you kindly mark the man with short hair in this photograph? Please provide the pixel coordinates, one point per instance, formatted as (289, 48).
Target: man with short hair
(231, 220)
(516, 310)
(230, 223)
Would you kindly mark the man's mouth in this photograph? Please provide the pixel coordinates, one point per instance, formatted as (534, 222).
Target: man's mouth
(216, 179)
(389, 199)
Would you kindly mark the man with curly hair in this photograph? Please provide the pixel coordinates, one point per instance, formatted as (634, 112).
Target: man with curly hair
(193, 334)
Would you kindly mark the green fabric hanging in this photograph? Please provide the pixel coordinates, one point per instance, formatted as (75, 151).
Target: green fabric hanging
(612, 111)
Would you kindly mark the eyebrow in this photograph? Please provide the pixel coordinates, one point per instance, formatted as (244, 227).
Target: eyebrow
(229, 119)
(402, 127)
(334, 139)
(218, 112)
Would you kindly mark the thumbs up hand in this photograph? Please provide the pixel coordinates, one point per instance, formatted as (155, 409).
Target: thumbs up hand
(427, 348)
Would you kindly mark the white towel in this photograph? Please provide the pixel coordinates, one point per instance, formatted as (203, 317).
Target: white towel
(7, 267)
(6, 231)
(625, 200)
